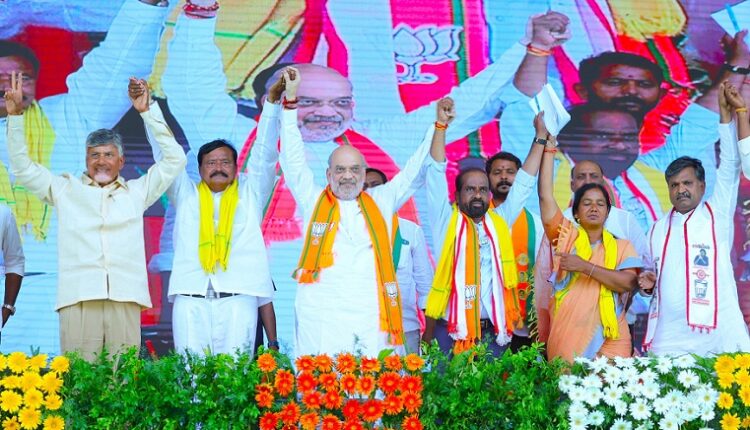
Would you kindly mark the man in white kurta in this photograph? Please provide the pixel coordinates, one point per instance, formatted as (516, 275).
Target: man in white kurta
(695, 307)
(340, 311)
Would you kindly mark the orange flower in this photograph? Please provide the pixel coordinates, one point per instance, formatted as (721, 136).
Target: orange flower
(393, 404)
(348, 383)
(306, 382)
(324, 363)
(353, 425)
(369, 365)
(312, 400)
(332, 400)
(290, 413)
(309, 421)
(372, 410)
(329, 381)
(266, 363)
(305, 363)
(413, 362)
(389, 382)
(345, 363)
(365, 385)
(331, 422)
(284, 382)
(268, 421)
(411, 423)
(411, 383)
(393, 362)
(264, 395)
(412, 401)
(351, 409)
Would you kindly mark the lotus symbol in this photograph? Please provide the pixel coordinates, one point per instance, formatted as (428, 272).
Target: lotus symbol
(425, 45)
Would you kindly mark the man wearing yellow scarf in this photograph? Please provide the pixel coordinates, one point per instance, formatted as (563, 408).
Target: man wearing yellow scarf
(220, 275)
(474, 294)
(348, 298)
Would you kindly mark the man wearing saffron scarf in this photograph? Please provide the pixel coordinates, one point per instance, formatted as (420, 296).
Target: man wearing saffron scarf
(695, 307)
(475, 288)
(348, 297)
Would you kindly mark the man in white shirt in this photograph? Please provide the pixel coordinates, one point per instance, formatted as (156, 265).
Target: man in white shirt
(102, 285)
(94, 99)
(413, 268)
(348, 296)
(13, 261)
(695, 309)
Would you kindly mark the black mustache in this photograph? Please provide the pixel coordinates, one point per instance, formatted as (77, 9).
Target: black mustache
(628, 99)
(504, 183)
(219, 173)
(685, 194)
(319, 118)
(476, 200)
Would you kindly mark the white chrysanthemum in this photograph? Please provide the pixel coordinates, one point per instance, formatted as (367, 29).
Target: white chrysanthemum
(708, 414)
(640, 410)
(592, 381)
(690, 411)
(578, 423)
(675, 415)
(688, 378)
(577, 394)
(668, 423)
(661, 406)
(599, 364)
(621, 408)
(650, 390)
(612, 395)
(621, 424)
(612, 375)
(593, 396)
(645, 361)
(648, 376)
(663, 365)
(684, 361)
(675, 398)
(704, 396)
(624, 362)
(577, 410)
(582, 360)
(631, 374)
(633, 387)
(595, 418)
(566, 383)
(644, 426)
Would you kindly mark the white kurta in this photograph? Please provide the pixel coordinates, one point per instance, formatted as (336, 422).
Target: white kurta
(673, 336)
(340, 311)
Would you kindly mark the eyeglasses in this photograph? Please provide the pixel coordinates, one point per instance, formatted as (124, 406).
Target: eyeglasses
(217, 163)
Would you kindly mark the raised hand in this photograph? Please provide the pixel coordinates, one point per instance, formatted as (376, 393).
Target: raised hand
(292, 78)
(139, 94)
(274, 93)
(736, 49)
(446, 110)
(733, 97)
(540, 126)
(14, 95)
(545, 31)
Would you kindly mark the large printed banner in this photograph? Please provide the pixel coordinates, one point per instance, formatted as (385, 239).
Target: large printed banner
(386, 63)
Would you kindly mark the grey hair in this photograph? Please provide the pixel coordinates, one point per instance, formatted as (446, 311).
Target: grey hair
(104, 136)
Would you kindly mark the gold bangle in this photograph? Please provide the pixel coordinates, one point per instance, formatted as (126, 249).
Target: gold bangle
(742, 109)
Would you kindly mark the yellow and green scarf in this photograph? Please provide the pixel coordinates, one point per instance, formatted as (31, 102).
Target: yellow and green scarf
(214, 244)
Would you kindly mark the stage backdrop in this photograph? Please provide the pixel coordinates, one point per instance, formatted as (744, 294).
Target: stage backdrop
(399, 56)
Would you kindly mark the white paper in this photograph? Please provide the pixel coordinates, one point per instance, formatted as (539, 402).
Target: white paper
(555, 115)
(738, 20)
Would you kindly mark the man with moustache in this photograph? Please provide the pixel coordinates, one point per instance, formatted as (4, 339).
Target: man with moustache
(475, 293)
(102, 283)
(413, 267)
(348, 298)
(695, 309)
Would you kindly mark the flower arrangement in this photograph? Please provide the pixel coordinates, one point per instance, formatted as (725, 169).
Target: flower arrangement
(347, 392)
(733, 379)
(30, 394)
(641, 393)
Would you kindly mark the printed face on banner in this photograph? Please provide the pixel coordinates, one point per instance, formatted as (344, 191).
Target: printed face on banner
(17, 64)
(325, 106)
(626, 87)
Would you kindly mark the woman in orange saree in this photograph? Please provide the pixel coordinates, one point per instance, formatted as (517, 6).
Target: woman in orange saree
(593, 273)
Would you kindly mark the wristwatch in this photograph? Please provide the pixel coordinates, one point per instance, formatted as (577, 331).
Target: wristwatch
(540, 141)
(736, 69)
(273, 343)
(10, 307)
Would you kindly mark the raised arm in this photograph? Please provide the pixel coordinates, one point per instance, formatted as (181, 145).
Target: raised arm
(737, 55)
(724, 197)
(548, 207)
(297, 174)
(547, 31)
(33, 176)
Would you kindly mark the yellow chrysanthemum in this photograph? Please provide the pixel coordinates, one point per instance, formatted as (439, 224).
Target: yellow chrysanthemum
(726, 380)
(10, 382)
(10, 401)
(3, 362)
(51, 383)
(29, 418)
(742, 377)
(38, 361)
(725, 401)
(17, 362)
(30, 380)
(730, 422)
(33, 398)
(54, 423)
(745, 422)
(742, 361)
(744, 395)
(725, 364)
(60, 364)
(11, 423)
(53, 402)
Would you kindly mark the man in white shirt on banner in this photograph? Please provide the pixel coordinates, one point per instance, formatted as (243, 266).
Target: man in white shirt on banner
(102, 284)
(413, 268)
(695, 309)
(348, 296)
(13, 261)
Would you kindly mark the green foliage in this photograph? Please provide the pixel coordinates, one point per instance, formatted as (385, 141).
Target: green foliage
(474, 390)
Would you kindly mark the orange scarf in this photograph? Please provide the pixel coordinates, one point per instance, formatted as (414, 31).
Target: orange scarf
(317, 254)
